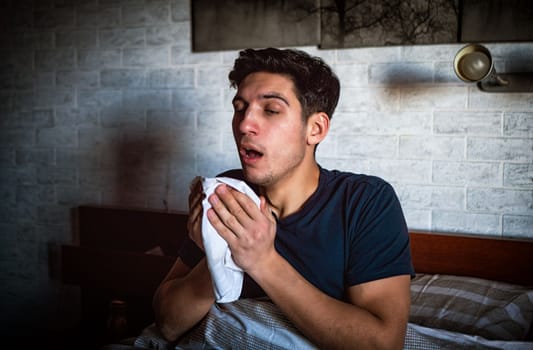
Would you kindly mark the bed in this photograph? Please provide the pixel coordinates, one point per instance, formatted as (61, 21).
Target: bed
(470, 292)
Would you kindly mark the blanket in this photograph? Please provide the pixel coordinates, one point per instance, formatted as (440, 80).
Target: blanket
(259, 324)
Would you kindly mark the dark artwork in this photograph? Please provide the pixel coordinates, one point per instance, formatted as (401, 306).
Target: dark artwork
(237, 24)
(356, 23)
(497, 20)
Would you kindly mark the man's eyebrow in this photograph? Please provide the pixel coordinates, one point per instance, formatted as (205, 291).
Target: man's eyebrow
(276, 96)
(270, 95)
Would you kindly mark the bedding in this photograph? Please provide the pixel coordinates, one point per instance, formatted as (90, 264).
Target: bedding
(259, 324)
(493, 310)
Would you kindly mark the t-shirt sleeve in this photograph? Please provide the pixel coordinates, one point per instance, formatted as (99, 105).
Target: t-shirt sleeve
(379, 239)
(190, 253)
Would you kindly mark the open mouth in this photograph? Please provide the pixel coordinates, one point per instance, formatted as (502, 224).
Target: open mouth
(251, 154)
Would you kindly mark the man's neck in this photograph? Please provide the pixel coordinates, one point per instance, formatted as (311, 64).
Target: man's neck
(289, 195)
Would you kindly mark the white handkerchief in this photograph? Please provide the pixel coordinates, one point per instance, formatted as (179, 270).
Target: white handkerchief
(227, 277)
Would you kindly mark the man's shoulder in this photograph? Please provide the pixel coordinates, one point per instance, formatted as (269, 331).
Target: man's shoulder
(335, 177)
(357, 188)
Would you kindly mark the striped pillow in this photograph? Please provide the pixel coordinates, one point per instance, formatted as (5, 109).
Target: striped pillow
(493, 310)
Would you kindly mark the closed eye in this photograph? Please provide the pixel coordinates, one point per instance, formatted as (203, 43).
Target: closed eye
(271, 111)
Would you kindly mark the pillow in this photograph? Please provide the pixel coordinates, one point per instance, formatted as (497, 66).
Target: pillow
(493, 310)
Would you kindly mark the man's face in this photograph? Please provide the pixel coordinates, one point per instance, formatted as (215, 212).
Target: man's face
(268, 128)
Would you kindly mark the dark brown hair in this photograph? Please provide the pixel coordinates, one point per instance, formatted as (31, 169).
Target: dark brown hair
(317, 87)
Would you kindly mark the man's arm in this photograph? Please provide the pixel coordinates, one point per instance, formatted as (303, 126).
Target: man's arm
(182, 299)
(185, 295)
(376, 315)
(375, 318)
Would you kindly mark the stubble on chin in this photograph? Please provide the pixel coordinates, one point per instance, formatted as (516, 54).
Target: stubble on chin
(258, 179)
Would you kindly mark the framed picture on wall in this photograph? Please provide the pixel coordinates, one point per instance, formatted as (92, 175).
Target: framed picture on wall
(356, 23)
(496, 20)
(237, 24)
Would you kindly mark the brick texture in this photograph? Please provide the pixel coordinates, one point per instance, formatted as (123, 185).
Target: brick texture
(104, 102)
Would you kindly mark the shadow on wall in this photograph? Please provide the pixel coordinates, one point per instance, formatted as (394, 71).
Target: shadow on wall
(132, 162)
(518, 60)
(143, 162)
(135, 169)
(401, 74)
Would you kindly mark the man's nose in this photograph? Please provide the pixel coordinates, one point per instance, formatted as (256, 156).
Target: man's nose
(248, 122)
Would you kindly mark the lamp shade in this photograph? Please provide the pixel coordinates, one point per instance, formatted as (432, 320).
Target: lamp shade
(473, 63)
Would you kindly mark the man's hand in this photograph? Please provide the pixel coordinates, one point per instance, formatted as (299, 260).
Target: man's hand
(194, 222)
(248, 230)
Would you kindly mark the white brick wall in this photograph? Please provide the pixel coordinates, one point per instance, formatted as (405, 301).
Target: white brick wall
(102, 101)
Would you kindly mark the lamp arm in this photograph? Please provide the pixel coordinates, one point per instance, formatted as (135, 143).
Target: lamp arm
(508, 82)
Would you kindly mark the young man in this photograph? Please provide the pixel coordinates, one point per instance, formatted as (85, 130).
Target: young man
(329, 248)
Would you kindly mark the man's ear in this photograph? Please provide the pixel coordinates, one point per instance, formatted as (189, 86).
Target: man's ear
(318, 128)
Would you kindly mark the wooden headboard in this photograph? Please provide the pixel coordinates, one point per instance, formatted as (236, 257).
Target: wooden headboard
(493, 258)
(131, 232)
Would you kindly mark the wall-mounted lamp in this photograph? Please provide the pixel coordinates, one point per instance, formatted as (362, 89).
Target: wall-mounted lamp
(473, 64)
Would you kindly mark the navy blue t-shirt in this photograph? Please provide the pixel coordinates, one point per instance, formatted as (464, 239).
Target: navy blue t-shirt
(350, 231)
